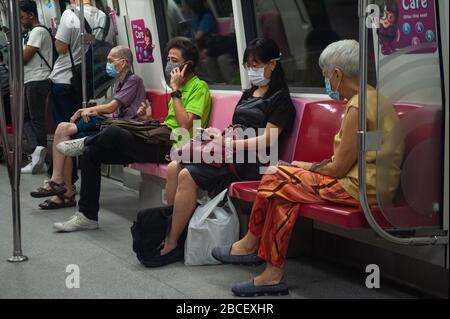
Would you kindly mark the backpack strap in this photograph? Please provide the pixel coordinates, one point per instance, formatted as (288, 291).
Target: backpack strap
(46, 62)
(71, 58)
(107, 27)
(39, 51)
(87, 27)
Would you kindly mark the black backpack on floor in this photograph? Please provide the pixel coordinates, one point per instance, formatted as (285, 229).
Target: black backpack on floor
(150, 230)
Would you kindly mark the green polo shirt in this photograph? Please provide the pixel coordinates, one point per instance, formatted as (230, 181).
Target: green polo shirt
(196, 100)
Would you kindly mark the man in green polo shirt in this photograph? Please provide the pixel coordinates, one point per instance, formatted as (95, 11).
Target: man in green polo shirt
(190, 101)
(190, 98)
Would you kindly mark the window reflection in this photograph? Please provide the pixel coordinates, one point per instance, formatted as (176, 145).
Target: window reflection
(211, 24)
(303, 29)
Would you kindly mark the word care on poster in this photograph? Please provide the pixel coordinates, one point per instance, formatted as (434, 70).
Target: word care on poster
(143, 42)
(408, 24)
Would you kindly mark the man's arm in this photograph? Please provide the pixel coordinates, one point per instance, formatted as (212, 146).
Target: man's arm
(28, 53)
(61, 47)
(185, 120)
(105, 109)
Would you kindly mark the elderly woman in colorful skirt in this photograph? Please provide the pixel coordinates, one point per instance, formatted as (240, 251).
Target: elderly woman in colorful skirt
(334, 181)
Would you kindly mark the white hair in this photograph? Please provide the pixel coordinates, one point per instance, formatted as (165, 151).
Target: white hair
(343, 55)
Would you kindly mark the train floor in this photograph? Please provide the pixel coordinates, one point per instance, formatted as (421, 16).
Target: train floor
(109, 269)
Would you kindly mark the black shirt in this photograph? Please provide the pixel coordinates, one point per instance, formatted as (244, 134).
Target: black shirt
(256, 112)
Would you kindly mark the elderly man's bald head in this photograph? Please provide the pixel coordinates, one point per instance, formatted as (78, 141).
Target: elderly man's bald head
(122, 52)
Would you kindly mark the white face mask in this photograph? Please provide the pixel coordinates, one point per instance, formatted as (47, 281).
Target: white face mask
(256, 76)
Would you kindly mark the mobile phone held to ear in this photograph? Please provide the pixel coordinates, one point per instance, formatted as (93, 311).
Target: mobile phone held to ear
(190, 67)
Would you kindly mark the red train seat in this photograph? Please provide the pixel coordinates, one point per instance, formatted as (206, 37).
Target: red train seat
(319, 125)
(160, 101)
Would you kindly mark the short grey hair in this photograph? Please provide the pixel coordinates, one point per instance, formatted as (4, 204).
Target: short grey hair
(122, 51)
(343, 55)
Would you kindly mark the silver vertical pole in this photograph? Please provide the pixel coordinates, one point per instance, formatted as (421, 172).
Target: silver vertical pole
(14, 153)
(83, 55)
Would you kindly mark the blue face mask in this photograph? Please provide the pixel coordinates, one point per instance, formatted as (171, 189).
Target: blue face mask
(332, 94)
(111, 70)
(170, 67)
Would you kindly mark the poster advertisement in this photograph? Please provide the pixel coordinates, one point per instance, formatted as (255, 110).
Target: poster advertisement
(143, 41)
(406, 24)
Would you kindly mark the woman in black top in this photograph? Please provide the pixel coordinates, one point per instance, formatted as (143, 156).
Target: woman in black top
(266, 105)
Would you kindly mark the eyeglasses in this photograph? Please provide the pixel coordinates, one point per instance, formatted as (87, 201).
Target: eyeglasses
(115, 60)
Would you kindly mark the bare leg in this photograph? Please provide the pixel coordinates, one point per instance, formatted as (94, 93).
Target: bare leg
(172, 182)
(271, 276)
(185, 202)
(62, 134)
(62, 165)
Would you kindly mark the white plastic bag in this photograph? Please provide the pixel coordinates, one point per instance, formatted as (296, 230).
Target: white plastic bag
(211, 226)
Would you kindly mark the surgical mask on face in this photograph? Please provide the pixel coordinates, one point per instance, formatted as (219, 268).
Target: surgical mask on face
(170, 67)
(332, 94)
(256, 76)
(111, 70)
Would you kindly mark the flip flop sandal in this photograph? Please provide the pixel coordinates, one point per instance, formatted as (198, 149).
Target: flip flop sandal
(66, 203)
(55, 190)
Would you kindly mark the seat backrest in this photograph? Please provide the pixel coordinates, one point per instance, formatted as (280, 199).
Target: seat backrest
(160, 102)
(223, 25)
(287, 145)
(222, 110)
(320, 123)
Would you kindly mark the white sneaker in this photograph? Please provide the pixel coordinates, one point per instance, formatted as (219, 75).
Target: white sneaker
(75, 223)
(37, 164)
(72, 148)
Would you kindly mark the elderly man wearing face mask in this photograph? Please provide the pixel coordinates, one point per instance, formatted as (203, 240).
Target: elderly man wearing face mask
(127, 102)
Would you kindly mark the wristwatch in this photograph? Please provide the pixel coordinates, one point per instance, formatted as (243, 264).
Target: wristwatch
(176, 94)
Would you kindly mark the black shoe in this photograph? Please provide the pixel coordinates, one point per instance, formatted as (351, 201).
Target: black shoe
(248, 289)
(174, 256)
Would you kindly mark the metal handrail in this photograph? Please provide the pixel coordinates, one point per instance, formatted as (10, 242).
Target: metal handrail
(362, 142)
(83, 55)
(13, 154)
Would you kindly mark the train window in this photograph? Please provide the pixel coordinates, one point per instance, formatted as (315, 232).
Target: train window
(302, 29)
(211, 24)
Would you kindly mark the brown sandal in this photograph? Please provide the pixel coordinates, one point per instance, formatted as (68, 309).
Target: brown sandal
(66, 203)
(55, 190)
